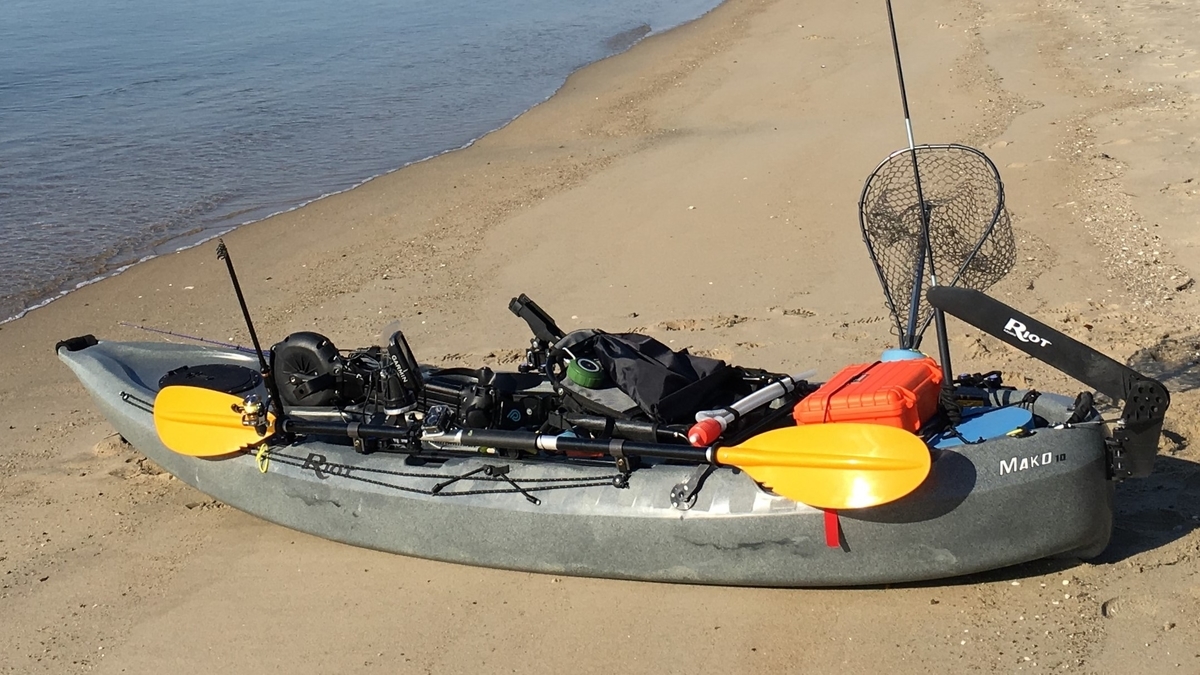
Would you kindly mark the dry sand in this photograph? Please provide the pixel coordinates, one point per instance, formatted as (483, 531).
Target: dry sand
(710, 177)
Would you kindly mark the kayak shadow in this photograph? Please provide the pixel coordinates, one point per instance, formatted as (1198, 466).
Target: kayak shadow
(1173, 361)
(1151, 513)
(1012, 573)
(1154, 511)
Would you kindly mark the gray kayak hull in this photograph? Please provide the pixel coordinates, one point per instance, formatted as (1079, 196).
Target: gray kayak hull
(985, 506)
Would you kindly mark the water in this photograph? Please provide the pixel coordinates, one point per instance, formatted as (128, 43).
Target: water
(129, 128)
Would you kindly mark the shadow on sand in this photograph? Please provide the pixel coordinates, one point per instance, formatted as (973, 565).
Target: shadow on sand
(1173, 361)
(1155, 511)
(1151, 513)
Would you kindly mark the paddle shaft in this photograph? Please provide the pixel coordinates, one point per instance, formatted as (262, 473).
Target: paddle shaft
(836, 466)
(739, 456)
(506, 440)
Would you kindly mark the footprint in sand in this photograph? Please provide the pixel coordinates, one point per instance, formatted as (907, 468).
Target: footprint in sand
(1187, 188)
(799, 311)
(139, 468)
(1127, 605)
(113, 446)
(719, 353)
(503, 356)
(705, 323)
(498, 356)
(794, 311)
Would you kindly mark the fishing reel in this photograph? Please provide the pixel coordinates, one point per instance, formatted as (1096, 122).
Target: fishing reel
(254, 414)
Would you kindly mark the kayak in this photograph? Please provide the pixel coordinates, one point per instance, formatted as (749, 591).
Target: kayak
(612, 455)
(984, 505)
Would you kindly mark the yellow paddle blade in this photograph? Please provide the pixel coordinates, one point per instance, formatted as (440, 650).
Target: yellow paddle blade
(204, 423)
(834, 466)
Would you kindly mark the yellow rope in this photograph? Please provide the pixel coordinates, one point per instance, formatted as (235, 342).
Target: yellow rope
(262, 458)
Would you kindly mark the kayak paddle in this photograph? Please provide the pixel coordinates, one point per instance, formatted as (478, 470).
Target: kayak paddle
(840, 465)
(204, 423)
(832, 466)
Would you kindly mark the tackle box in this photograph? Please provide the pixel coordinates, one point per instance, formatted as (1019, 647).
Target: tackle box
(896, 393)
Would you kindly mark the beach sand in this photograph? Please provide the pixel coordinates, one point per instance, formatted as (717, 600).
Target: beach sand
(703, 188)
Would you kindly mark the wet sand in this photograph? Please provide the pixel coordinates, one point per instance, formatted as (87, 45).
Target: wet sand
(703, 188)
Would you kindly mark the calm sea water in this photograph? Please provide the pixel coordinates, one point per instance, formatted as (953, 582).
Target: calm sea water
(129, 128)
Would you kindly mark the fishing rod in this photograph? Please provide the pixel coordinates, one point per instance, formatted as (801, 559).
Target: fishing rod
(160, 331)
(268, 377)
(925, 250)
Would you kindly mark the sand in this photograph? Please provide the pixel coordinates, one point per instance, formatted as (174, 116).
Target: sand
(703, 188)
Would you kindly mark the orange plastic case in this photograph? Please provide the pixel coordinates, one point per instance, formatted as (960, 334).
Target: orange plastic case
(896, 393)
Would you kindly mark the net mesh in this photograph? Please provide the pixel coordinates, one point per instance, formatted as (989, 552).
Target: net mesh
(970, 231)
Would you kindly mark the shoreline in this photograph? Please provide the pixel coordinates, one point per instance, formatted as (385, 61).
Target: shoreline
(203, 234)
(210, 237)
(701, 187)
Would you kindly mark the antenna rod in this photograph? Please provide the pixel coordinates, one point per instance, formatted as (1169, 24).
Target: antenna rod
(223, 254)
(925, 249)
